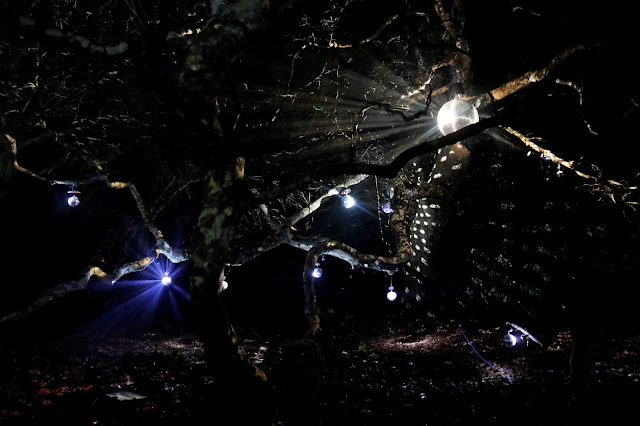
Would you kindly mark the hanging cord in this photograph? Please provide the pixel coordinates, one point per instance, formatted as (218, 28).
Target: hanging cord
(380, 218)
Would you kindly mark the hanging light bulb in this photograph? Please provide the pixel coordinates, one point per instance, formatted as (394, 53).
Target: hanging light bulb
(166, 280)
(348, 201)
(391, 295)
(317, 271)
(225, 284)
(73, 199)
(386, 207)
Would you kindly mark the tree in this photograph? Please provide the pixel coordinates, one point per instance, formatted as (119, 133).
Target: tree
(223, 127)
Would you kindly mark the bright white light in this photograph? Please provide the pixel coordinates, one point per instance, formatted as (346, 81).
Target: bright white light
(456, 114)
(348, 202)
(317, 272)
(513, 339)
(166, 280)
(386, 207)
(73, 201)
(225, 285)
(392, 294)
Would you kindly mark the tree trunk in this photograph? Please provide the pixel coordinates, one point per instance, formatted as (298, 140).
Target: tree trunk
(209, 248)
(436, 201)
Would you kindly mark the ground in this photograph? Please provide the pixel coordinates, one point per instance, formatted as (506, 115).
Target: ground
(392, 368)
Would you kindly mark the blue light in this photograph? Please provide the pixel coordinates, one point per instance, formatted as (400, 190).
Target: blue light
(317, 271)
(386, 207)
(391, 295)
(348, 202)
(166, 280)
(73, 201)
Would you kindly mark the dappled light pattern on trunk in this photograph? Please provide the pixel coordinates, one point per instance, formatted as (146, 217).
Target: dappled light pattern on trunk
(436, 201)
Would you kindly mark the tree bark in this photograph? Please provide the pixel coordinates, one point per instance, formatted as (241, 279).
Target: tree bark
(436, 204)
(214, 232)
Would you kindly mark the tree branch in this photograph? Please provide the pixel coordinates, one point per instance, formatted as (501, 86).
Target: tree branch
(601, 185)
(80, 284)
(530, 77)
(292, 220)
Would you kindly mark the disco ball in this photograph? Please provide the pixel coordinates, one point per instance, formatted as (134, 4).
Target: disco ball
(456, 114)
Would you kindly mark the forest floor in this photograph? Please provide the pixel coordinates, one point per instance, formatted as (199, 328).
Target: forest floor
(387, 370)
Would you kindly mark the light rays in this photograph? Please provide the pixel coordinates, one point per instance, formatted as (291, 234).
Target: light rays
(374, 104)
(145, 303)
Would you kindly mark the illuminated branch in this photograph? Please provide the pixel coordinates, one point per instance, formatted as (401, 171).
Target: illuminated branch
(316, 204)
(283, 235)
(530, 77)
(265, 211)
(317, 246)
(545, 153)
(321, 246)
(79, 285)
(161, 246)
(352, 256)
(427, 83)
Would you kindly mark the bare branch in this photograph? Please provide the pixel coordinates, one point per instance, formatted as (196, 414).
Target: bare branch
(174, 255)
(267, 216)
(548, 154)
(18, 167)
(531, 76)
(319, 246)
(607, 186)
(79, 285)
(292, 220)
(579, 90)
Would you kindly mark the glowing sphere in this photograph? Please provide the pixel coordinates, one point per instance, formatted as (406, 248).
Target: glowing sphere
(456, 114)
(386, 207)
(317, 272)
(166, 280)
(348, 202)
(392, 294)
(225, 285)
(512, 339)
(73, 201)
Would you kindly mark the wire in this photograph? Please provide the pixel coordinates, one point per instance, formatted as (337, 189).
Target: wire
(477, 353)
(380, 218)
